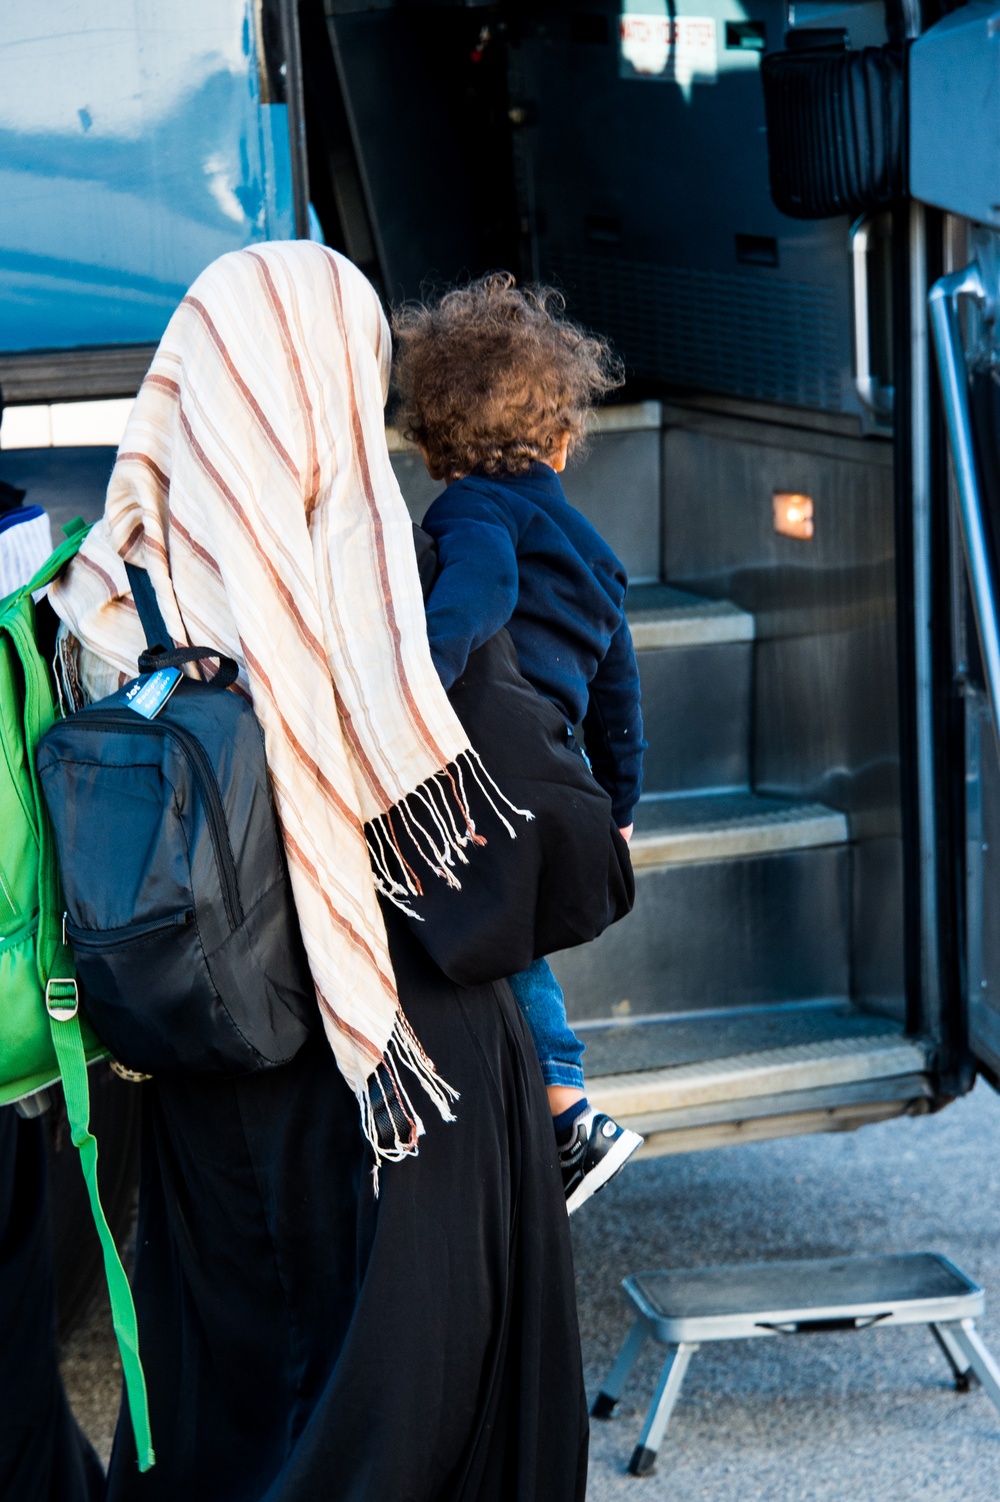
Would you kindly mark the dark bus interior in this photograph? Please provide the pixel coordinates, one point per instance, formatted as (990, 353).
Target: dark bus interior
(444, 141)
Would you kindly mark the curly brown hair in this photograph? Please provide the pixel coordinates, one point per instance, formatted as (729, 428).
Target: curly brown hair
(492, 376)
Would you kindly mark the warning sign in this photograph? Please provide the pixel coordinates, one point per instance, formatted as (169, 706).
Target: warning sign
(679, 50)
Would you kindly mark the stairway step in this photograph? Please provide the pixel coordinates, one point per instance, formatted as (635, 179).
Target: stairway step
(696, 667)
(765, 929)
(727, 826)
(696, 705)
(626, 1043)
(661, 616)
(805, 1066)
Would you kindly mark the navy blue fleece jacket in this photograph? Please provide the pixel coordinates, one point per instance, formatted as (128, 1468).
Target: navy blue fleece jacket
(513, 552)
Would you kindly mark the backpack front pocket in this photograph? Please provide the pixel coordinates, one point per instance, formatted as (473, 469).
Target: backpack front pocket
(178, 906)
(148, 992)
(101, 941)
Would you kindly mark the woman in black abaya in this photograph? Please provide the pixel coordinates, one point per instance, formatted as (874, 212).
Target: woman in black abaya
(305, 1342)
(304, 1339)
(43, 1455)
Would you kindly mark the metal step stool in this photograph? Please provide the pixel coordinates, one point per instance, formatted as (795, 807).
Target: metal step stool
(683, 1309)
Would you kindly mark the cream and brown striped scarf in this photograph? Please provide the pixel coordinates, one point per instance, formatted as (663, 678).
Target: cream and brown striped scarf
(254, 485)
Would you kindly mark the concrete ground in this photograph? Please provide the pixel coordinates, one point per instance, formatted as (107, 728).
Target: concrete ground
(834, 1418)
(867, 1417)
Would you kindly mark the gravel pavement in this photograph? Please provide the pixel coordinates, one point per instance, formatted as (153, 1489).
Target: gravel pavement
(867, 1417)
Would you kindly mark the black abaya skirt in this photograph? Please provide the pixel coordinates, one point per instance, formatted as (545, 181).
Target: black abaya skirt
(306, 1342)
(43, 1455)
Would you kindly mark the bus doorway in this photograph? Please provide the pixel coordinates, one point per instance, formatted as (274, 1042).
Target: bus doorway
(771, 978)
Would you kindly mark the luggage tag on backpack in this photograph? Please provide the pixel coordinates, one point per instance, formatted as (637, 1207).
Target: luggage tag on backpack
(148, 694)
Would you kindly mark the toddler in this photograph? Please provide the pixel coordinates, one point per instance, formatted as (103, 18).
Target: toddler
(497, 386)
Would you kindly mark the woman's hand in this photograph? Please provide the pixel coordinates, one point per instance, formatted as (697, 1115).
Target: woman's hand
(626, 833)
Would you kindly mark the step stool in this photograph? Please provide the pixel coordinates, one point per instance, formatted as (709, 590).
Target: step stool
(683, 1309)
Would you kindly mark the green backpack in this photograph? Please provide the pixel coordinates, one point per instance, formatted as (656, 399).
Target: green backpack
(42, 1036)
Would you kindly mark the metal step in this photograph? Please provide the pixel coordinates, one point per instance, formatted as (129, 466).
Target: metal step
(740, 900)
(832, 1084)
(660, 616)
(804, 1066)
(695, 665)
(624, 1045)
(762, 930)
(727, 826)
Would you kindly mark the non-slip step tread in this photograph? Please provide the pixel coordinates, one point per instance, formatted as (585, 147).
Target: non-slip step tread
(726, 826)
(660, 616)
(803, 1066)
(625, 1041)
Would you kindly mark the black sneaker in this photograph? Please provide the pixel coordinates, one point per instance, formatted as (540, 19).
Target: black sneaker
(595, 1152)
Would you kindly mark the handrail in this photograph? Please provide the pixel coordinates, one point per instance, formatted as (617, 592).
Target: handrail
(859, 285)
(943, 302)
(871, 393)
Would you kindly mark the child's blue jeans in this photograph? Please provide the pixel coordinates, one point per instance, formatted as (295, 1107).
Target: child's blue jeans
(540, 997)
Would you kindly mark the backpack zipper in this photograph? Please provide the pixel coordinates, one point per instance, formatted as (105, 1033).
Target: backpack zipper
(207, 782)
(120, 938)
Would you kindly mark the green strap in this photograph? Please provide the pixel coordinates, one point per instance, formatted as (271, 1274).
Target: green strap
(61, 1001)
(75, 532)
(56, 973)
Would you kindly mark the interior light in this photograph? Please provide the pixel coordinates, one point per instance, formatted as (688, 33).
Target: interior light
(793, 515)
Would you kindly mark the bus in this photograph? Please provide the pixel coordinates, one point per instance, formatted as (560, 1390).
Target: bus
(802, 473)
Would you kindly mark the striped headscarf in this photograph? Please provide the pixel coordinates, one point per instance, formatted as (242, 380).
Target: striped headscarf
(254, 485)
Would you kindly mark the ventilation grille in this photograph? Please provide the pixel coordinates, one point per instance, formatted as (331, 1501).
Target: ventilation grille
(743, 336)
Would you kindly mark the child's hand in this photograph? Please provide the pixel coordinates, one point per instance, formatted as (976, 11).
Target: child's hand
(626, 833)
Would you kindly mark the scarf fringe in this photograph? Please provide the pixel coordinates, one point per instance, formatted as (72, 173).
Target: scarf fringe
(386, 1083)
(432, 815)
(483, 777)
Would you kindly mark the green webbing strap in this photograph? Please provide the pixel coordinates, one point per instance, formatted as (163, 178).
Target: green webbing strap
(57, 977)
(75, 534)
(61, 1003)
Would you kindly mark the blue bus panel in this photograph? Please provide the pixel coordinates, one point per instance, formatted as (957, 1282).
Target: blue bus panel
(135, 147)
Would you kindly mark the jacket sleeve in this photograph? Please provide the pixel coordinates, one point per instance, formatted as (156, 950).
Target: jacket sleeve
(475, 591)
(612, 726)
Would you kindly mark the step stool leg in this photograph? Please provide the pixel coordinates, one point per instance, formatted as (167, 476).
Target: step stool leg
(953, 1354)
(611, 1388)
(970, 1343)
(666, 1395)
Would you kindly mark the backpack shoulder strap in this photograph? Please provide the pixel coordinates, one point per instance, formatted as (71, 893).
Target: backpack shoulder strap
(57, 977)
(61, 1003)
(148, 607)
(75, 534)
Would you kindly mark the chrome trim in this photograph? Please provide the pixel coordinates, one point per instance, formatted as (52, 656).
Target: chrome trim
(920, 494)
(859, 237)
(871, 393)
(943, 304)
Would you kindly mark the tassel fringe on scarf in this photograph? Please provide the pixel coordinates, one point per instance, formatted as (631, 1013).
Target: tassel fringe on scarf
(437, 818)
(439, 822)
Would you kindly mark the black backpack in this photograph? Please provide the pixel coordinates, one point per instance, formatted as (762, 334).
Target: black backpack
(565, 877)
(179, 909)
